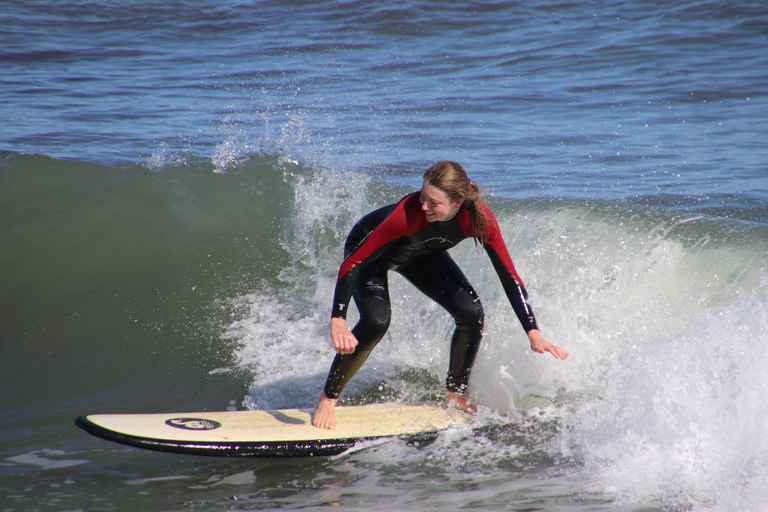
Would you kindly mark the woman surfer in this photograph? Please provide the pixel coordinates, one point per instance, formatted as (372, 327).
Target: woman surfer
(411, 237)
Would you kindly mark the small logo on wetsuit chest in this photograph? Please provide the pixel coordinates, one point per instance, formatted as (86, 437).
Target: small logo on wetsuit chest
(374, 285)
(437, 240)
(193, 423)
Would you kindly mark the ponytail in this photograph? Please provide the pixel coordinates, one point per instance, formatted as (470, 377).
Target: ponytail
(479, 219)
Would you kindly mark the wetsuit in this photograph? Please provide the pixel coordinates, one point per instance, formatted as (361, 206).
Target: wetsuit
(399, 237)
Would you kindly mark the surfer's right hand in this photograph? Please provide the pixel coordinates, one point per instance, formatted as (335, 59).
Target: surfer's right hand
(343, 340)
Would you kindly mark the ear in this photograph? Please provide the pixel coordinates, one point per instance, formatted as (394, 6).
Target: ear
(459, 202)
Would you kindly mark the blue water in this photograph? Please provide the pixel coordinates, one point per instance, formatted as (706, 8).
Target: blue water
(177, 179)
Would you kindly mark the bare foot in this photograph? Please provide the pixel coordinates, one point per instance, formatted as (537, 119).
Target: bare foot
(461, 402)
(324, 416)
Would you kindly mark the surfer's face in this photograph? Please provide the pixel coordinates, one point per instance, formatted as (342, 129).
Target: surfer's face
(436, 204)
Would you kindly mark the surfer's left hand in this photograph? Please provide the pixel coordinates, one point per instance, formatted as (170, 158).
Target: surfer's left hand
(540, 345)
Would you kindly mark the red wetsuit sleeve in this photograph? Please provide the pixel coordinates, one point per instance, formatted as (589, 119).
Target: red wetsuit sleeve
(402, 221)
(510, 280)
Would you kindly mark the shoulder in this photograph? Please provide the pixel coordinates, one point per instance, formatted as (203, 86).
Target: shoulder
(401, 217)
(410, 207)
(406, 207)
(411, 200)
(413, 216)
(377, 216)
(407, 203)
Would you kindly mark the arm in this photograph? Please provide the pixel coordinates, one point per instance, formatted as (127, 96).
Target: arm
(392, 225)
(515, 290)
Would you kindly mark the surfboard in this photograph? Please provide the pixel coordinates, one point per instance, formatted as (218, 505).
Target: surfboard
(277, 433)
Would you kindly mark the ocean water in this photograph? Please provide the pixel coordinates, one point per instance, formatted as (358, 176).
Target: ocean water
(177, 180)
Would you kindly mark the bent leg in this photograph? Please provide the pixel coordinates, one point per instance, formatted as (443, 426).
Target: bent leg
(441, 279)
(372, 300)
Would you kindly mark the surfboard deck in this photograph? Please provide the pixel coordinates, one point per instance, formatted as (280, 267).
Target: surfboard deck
(277, 433)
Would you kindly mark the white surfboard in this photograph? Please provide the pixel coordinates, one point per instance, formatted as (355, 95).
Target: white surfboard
(278, 433)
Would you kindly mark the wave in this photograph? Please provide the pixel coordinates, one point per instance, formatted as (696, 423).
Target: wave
(663, 312)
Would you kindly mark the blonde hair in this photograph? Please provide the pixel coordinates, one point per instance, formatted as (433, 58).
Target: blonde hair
(451, 178)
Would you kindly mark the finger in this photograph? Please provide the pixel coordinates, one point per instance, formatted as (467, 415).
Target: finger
(348, 344)
(558, 352)
(340, 346)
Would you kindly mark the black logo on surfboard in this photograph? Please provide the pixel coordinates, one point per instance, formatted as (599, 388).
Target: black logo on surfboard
(193, 423)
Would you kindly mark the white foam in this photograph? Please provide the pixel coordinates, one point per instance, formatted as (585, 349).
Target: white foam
(47, 459)
(664, 395)
(666, 333)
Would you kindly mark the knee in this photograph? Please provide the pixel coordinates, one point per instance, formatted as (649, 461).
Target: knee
(377, 324)
(471, 315)
(372, 327)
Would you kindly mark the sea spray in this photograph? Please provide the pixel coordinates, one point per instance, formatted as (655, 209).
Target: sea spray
(663, 315)
(667, 328)
(282, 331)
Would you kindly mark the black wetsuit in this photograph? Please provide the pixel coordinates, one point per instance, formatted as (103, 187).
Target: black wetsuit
(398, 237)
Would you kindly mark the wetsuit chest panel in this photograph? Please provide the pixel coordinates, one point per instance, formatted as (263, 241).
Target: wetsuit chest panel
(436, 236)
